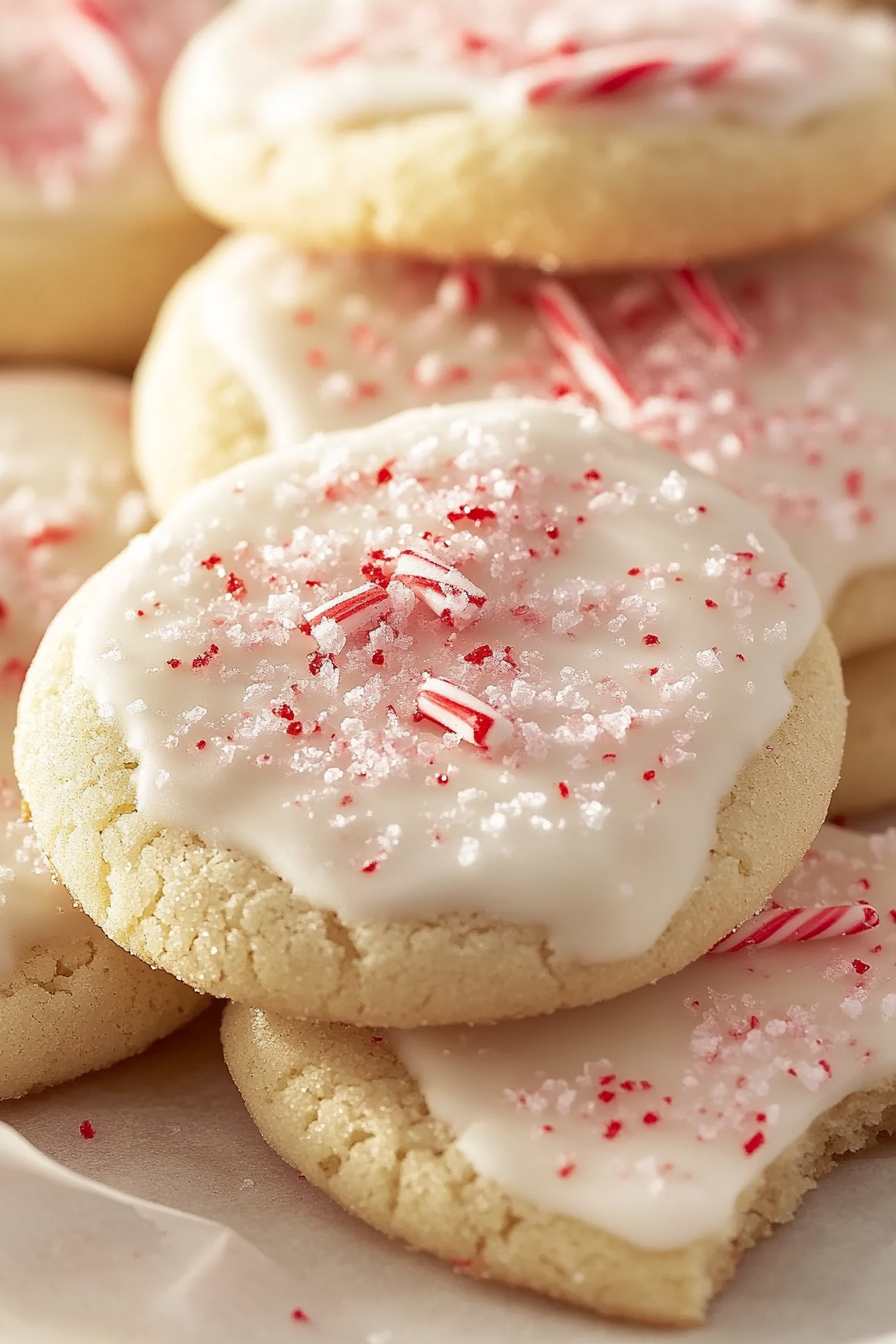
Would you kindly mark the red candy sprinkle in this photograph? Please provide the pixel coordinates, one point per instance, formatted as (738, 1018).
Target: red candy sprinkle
(650, 639)
(86, 1130)
(612, 1129)
(753, 1143)
(211, 563)
(471, 513)
(236, 588)
(564, 789)
(203, 659)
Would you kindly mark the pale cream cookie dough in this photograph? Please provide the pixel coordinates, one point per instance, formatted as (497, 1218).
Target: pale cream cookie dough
(659, 132)
(70, 999)
(261, 346)
(868, 774)
(479, 712)
(620, 1157)
(93, 232)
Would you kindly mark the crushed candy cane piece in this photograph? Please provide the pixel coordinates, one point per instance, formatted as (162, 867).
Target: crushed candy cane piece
(443, 588)
(458, 711)
(800, 925)
(572, 333)
(355, 611)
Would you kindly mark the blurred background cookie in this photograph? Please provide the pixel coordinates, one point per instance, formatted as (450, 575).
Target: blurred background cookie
(92, 230)
(70, 1000)
(572, 135)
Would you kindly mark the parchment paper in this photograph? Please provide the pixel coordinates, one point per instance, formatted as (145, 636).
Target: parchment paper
(86, 1262)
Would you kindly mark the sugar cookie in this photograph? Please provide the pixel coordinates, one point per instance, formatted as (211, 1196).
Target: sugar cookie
(70, 1000)
(658, 133)
(621, 1157)
(92, 230)
(262, 346)
(868, 773)
(336, 725)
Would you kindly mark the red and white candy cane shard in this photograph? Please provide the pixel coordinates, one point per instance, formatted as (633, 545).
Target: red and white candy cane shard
(461, 290)
(800, 925)
(442, 587)
(703, 303)
(458, 711)
(359, 610)
(588, 76)
(574, 336)
(84, 34)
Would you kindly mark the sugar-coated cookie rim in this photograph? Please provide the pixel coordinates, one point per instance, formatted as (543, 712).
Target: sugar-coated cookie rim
(265, 1056)
(75, 1005)
(449, 185)
(226, 919)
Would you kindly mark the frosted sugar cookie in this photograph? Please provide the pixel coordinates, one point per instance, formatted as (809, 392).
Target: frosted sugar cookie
(621, 1157)
(336, 727)
(70, 1000)
(658, 132)
(92, 230)
(774, 376)
(868, 773)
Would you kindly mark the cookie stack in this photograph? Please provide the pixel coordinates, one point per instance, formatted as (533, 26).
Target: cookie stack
(475, 753)
(92, 234)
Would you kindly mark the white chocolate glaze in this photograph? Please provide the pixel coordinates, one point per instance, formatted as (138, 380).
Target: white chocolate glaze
(804, 425)
(68, 502)
(276, 65)
(652, 1116)
(330, 343)
(638, 626)
(79, 88)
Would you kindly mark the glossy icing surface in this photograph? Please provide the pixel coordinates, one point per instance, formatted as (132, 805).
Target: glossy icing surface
(615, 632)
(68, 502)
(803, 425)
(282, 64)
(652, 1116)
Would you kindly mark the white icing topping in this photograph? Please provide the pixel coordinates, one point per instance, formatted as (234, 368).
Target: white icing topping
(329, 343)
(79, 88)
(804, 425)
(280, 64)
(636, 632)
(68, 502)
(651, 1116)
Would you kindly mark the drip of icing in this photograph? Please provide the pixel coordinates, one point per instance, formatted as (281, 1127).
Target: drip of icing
(281, 64)
(79, 86)
(651, 1117)
(637, 628)
(803, 426)
(68, 502)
